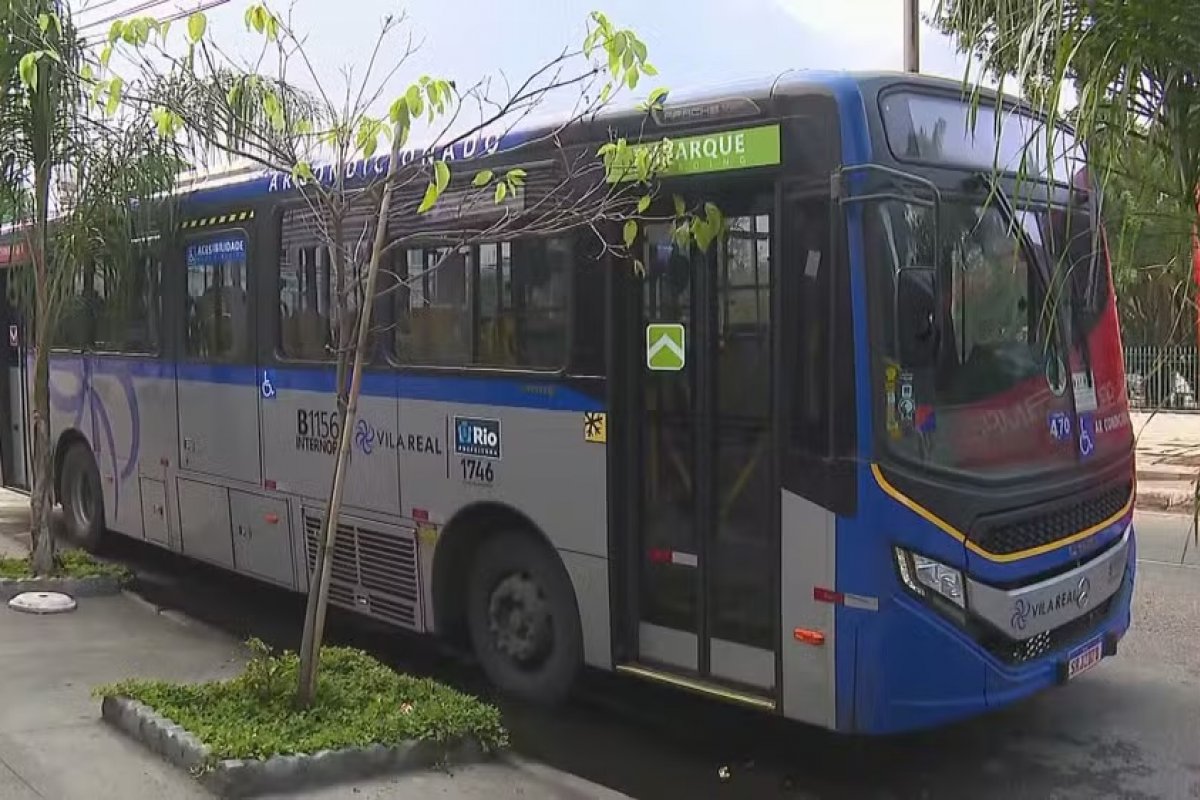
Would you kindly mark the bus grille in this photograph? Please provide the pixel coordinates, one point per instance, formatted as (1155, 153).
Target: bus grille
(374, 573)
(1019, 652)
(1003, 538)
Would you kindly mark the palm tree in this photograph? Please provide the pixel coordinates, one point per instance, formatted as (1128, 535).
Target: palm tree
(1132, 68)
(79, 172)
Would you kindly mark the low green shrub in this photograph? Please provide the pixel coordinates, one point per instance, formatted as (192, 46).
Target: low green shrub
(68, 564)
(359, 702)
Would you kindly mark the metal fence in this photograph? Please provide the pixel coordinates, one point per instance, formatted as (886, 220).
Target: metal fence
(1162, 377)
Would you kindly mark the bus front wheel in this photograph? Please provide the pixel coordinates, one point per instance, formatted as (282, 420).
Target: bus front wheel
(523, 619)
(82, 497)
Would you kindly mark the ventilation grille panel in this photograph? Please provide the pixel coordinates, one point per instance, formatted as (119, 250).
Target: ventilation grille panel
(374, 572)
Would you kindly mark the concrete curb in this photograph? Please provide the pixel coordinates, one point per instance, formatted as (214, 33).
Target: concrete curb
(1176, 501)
(250, 777)
(92, 586)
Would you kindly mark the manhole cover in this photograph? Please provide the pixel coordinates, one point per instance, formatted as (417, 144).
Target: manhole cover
(42, 602)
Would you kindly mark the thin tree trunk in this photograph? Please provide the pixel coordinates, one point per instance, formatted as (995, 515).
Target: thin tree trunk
(310, 657)
(41, 497)
(325, 546)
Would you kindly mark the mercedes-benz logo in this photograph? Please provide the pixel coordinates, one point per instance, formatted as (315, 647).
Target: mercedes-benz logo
(1083, 593)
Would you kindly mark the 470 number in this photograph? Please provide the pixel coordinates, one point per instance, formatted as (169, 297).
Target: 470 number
(476, 470)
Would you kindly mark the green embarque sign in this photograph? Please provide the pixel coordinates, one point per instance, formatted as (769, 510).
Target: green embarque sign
(741, 148)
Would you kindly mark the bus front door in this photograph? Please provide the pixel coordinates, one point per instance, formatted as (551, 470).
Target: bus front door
(701, 566)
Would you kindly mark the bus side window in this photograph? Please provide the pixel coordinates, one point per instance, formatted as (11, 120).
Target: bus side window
(589, 287)
(217, 302)
(519, 290)
(810, 273)
(304, 302)
(433, 315)
(127, 307)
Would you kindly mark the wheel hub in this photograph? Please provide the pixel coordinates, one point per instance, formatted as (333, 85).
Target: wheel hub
(519, 619)
(83, 497)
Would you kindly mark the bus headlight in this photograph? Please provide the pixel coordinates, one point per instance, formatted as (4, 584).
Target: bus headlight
(922, 574)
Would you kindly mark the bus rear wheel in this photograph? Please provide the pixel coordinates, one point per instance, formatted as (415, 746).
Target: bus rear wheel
(82, 498)
(523, 619)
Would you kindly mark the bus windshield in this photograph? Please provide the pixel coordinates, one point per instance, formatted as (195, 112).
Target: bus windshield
(1009, 385)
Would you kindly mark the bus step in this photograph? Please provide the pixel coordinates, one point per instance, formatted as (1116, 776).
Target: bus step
(697, 685)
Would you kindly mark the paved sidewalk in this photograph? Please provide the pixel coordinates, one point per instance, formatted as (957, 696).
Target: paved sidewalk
(1168, 459)
(53, 745)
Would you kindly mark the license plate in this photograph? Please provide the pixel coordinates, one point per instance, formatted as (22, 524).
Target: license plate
(1084, 657)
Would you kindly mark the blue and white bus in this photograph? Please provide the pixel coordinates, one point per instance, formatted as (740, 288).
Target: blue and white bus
(848, 466)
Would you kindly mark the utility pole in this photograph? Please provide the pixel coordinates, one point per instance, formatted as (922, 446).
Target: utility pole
(912, 37)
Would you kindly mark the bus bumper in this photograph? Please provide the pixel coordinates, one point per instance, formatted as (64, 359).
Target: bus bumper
(914, 669)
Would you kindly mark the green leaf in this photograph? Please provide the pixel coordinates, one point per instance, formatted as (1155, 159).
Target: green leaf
(27, 68)
(631, 78)
(648, 69)
(115, 30)
(256, 17)
(482, 178)
(441, 175)
(303, 171)
(681, 235)
(713, 216)
(86, 72)
(399, 110)
(43, 22)
(368, 139)
(703, 233)
(274, 111)
(656, 96)
(629, 232)
(516, 177)
(114, 96)
(643, 203)
(197, 23)
(416, 102)
(431, 196)
(680, 206)
(164, 27)
(105, 55)
(501, 191)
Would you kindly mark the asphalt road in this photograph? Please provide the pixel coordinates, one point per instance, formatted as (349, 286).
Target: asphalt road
(1128, 729)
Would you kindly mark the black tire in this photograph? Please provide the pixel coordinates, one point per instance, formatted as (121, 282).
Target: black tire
(82, 498)
(535, 650)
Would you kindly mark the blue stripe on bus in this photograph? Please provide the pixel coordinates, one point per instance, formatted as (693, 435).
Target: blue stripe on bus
(514, 392)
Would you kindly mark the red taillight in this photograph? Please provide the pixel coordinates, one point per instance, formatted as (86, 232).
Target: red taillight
(420, 515)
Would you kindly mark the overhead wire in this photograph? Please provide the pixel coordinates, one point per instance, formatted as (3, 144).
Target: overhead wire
(177, 15)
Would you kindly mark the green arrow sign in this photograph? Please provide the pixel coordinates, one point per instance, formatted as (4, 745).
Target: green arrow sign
(665, 346)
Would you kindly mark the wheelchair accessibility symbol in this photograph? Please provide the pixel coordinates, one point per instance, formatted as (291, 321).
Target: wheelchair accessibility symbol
(267, 388)
(1086, 431)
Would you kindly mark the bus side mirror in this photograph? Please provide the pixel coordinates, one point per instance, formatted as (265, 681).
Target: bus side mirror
(916, 317)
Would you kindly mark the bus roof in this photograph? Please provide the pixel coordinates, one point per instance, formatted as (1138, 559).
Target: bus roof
(247, 185)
